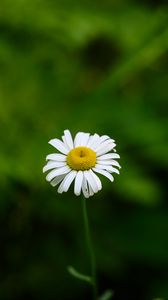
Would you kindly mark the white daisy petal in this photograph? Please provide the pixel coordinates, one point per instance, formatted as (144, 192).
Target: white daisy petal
(57, 172)
(103, 167)
(108, 162)
(109, 155)
(68, 139)
(94, 141)
(114, 170)
(78, 183)
(97, 180)
(52, 165)
(104, 144)
(91, 193)
(104, 173)
(85, 139)
(91, 180)
(85, 188)
(60, 188)
(65, 184)
(57, 157)
(95, 145)
(105, 149)
(59, 145)
(65, 142)
(49, 162)
(78, 139)
(115, 163)
(104, 138)
(107, 168)
(89, 140)
(57, 180)
(69, 179)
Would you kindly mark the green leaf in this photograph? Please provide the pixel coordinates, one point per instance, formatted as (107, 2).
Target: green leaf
(79, 275)
(107, 295)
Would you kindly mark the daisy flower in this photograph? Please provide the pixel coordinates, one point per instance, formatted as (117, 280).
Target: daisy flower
(79, 160)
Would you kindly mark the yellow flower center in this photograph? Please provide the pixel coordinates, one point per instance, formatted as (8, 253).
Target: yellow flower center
(81, 158)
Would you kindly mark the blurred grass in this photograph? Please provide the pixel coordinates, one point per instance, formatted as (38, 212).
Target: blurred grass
(98, 67)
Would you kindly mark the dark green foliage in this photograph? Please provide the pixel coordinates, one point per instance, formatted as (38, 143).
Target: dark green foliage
(96, 66)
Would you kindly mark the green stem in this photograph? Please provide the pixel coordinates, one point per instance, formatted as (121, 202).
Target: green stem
(90, 249)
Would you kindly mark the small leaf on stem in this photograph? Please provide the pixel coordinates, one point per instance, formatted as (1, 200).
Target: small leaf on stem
(107, 295)
(78, 275)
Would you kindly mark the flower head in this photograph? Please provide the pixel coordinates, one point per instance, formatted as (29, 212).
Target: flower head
(79, 160)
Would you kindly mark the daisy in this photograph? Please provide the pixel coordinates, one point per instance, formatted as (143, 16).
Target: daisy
(79, 160)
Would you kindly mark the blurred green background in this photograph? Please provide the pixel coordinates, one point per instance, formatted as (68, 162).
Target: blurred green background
(95, 66)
